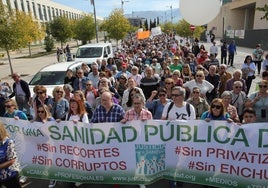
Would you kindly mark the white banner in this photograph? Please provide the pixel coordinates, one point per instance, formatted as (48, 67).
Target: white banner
(215, 153)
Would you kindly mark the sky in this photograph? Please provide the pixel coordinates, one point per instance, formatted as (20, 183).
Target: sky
(104, 7)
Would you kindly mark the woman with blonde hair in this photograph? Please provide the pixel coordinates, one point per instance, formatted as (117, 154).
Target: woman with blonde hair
(216, 112)
(9, 164)
(43, 114)
(12, 111)
(176, 76)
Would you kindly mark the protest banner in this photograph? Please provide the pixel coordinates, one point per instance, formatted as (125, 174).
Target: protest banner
(216, 153)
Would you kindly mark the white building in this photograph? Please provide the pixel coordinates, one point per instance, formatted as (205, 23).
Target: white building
(43, 10)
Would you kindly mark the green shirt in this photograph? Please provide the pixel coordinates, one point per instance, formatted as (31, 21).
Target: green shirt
(175, 67)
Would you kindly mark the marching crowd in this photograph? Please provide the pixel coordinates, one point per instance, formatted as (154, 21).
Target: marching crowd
(155, 78)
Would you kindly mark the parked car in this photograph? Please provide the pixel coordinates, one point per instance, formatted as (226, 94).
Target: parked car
(53, 75)
(89, 53)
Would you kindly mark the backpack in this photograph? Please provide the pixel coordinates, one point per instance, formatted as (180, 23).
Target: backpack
(187, 109)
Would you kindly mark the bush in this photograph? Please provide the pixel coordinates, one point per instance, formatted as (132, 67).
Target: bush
(49, 43)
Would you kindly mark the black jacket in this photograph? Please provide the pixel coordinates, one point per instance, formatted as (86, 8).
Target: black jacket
(25, 88)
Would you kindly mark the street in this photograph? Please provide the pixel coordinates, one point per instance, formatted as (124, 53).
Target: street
(27, 67)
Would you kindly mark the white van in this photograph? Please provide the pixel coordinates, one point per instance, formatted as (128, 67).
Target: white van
(89, 53)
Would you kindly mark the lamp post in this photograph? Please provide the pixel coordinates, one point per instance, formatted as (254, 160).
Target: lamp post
(171, 15)
(122, 4)
(95, 20)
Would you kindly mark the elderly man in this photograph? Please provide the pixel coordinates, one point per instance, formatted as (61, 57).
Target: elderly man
(80, 81)
(178, 109)
(107, 111)
(149, 82)
(94, 75)
(237, 76)
(22, 93)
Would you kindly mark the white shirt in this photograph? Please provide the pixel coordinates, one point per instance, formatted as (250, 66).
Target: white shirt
(204, 87)
(179, 113)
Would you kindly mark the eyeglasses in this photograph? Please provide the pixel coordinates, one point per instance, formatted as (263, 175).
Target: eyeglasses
(175, 95)
(136, 103)
(40, 92)
(238, 87)
(168, 83)
(162, 95)
(40, 111)
(262, 86)
(216, 106)
(199, 75)
(249, 116)
(59, 92)
(195, 92)
(8, 106)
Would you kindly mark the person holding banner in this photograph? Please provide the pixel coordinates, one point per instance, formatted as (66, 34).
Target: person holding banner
(107, 111)
(9, 164)
(216, 112)
(138, 112)
(12, 110)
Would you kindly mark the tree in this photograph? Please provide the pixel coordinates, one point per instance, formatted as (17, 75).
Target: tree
(32, 31)
(183, 30)
(117, 25)
(84, 29)
(16, 30)
(167, 27)
(265, 10)
(60, 29)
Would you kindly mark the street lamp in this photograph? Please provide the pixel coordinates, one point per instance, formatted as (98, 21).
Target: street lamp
(122, 4)
(171, 15)
(95, 20)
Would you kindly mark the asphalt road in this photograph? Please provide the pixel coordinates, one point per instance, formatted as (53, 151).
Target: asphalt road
(29, 66)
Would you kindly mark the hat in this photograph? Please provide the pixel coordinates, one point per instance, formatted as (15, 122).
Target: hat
(176, 58)
(124, 65)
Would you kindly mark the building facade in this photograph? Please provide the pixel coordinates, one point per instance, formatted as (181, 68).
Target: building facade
(43, 10)
(240, 21)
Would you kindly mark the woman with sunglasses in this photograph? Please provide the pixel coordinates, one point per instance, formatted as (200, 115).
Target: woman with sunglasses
(169, 84)
(12, 111)
(259, 102)
(59, 106)
(216, 112)
(44, 115)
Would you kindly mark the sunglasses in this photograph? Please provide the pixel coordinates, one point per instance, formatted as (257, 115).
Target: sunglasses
(40, 111)
(216, 106)
(175, 95)
(89, 84)
(194, 92)
(238, 87)
(136, 103)
(199, 75)
(59, 92)
(40, 92)
(168, 83)
(262, 86)
(8, 106)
